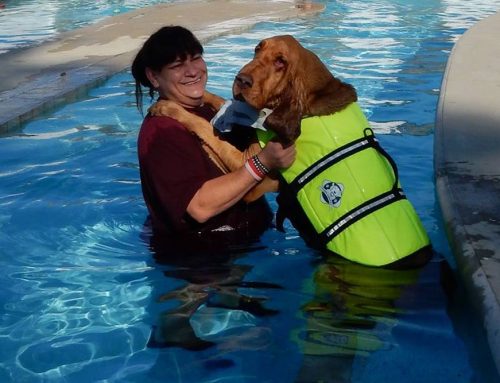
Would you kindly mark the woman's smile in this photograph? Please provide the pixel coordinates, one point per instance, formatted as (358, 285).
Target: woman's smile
(183, 81)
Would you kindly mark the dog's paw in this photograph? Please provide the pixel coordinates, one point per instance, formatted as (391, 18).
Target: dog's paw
(166, 108)
(213, 100)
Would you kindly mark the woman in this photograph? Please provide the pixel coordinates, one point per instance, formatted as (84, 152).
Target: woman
(185, 192)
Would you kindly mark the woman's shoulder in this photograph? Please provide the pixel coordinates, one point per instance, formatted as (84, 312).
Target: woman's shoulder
(160, 122)
(164, 132)
(162, 125)
(163, 122)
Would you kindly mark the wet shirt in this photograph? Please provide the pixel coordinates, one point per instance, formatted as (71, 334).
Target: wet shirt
(173, 166)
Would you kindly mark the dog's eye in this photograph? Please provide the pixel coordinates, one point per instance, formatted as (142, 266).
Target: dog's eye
(280, 62)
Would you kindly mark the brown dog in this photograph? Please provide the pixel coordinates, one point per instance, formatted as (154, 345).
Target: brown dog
(293, 82)
(283, 76)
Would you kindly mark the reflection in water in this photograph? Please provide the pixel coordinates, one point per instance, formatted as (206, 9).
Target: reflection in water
(350, 315)
(347, 322)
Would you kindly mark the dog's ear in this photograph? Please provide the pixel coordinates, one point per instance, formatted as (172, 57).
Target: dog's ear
(285, 123)
(285, 118)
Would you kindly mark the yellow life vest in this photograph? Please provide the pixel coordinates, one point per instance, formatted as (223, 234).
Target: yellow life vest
(347, 187)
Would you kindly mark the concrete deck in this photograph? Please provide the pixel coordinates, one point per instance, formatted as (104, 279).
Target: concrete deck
(467, 165)
(36, 79)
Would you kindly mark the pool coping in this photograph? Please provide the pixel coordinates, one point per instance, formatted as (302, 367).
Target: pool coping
(466, 158)
(36, 79)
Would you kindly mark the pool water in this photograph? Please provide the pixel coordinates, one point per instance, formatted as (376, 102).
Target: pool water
(27, 22)
(81, 292)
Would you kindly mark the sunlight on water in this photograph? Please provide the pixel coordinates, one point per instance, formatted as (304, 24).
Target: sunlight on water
(82, 294)
(27, 22)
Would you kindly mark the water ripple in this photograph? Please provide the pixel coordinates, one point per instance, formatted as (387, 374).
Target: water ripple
(25, 23)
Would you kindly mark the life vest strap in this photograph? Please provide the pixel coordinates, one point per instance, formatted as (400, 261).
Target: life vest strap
(335, 156)
(366, 142)
(359, 212)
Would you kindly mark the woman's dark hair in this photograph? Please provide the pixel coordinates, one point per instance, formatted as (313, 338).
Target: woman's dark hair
(162, 48)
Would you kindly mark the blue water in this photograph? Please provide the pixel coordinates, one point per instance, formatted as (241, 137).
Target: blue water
(27, 22)
(80, 290)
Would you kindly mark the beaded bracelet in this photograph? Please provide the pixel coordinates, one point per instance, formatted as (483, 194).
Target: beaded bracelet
(260, 165)
(256, 168)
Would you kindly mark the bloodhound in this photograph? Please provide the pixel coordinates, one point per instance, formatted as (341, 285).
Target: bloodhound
(283, 76)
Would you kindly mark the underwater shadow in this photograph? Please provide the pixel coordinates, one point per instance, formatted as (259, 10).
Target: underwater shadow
(206, 276)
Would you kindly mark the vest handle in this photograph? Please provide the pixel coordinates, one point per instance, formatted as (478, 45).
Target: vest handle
(368, 132)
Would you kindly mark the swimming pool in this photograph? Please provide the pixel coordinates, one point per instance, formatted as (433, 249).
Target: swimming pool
(81, 292)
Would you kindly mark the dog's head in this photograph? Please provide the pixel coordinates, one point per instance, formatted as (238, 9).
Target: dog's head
(291, 80)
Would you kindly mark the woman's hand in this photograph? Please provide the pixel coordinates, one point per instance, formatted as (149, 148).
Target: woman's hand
(275, 156)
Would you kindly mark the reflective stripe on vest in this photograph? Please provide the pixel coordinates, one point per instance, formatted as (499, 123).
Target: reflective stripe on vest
(348, 187)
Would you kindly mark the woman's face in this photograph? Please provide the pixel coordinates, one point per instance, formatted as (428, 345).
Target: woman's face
(183, 81)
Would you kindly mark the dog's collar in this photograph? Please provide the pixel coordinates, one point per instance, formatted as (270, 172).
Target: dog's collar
(235, 112)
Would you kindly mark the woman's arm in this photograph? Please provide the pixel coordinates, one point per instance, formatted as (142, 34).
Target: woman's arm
(218, 194)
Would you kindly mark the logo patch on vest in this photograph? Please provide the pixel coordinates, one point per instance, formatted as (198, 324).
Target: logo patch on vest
(331, 193)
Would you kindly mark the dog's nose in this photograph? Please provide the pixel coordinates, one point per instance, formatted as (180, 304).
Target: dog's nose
(244, 81)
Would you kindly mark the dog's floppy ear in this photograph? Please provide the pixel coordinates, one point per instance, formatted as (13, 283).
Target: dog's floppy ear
(285, 118)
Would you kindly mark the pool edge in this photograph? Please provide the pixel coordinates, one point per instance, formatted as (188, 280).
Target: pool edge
(467, 183)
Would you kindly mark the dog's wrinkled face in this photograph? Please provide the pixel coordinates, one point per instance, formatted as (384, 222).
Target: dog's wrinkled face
(263, 81)
(293, 82)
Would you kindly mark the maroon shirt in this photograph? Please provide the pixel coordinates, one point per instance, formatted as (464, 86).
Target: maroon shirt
(173, 166)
